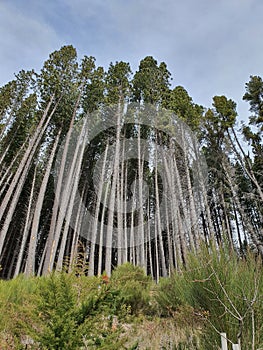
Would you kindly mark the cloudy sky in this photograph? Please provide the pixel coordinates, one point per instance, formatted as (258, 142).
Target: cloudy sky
(211, 47)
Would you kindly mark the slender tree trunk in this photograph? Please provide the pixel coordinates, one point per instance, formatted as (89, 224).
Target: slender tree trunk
(246, 165)
(28, 223)
(102, 233)
(158, 219)
(132, 240)
(7, 175)
(237, 226)
(76, 229)
(141, 213)
(150, 241)
(108, 258)
(124, 208)
(246, 221)
(28, 155)
(20, 176)
(58, 214)
(225, 222)
(71, 190)
(30, 267)
(94, 229)
(119, 207)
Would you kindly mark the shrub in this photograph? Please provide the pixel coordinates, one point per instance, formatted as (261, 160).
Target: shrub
(56, 307)
(132, 286)
(16, 310)
(224, 290)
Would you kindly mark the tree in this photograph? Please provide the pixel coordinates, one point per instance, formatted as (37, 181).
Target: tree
(144, 202)
(151, 82)
(118, 82)
(94, 85)
(254, 95)
(182, 104)
(217, 123)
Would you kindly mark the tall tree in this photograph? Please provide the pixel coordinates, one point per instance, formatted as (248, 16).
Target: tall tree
(183, 106)
(151, 82)
(118, 82)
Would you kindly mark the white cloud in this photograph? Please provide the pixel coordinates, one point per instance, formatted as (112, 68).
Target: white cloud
(25, 41)
(210, 46)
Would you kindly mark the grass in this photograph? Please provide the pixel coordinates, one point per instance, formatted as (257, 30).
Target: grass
(217, 292)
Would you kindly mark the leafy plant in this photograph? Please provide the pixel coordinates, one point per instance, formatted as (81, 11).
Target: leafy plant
(224, 290)
(132, 286)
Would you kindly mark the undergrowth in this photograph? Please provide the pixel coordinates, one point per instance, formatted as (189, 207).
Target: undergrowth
(217, 292)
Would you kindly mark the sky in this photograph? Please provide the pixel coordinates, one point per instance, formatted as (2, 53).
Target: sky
(211, 47)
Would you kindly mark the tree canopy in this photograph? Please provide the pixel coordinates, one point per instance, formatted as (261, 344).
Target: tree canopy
(145, 189)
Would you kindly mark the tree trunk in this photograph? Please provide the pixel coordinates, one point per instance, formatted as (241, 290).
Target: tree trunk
(60, 198)
(30, 267)
(28, 222)
(109, 239)
(20, 176)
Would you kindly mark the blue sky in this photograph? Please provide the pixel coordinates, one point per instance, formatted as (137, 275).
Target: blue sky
(211, 47)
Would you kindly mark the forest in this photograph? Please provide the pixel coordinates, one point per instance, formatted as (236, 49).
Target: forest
(109, 169)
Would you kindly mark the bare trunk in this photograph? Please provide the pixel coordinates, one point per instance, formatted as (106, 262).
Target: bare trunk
(245, 163)
(30, 268)
(94, 229)
(70, 191)
(27, 156)
(26, 227)
(7, 175)
(109, 239)
(246, 220)
(76, 228)
(20, 176)
(58, 215)
(141, 213)
(158, 220)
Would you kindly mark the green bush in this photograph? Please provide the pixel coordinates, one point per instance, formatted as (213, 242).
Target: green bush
(224, 290)
(71, 319)
(132, 286)
(16, 310)
(56, 307)
(169, 297)
(59, 311)
(216, 292)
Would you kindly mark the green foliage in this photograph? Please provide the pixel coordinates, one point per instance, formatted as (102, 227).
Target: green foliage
(60, 311)
(254, 95)
(56, 306)
(117, 82)
(18, 102)
(168, 297)
(217, 292)
(93, 94)
(59, 72)
(72, 316)
(7, 94)
(132, 286)
(182, 104)
(151, 82)
(218, 121)
(16, 310)
(226, 112)
(224, 290)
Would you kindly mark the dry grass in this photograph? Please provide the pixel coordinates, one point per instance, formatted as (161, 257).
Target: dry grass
(162, 333)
